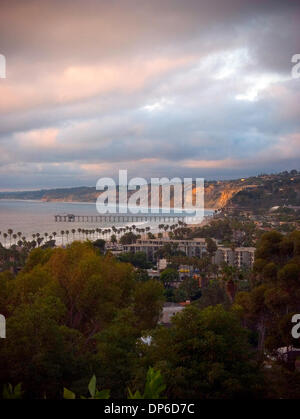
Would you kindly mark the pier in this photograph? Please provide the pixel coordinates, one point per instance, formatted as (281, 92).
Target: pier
(117, 218)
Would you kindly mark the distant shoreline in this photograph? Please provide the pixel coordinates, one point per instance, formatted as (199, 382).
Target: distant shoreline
(62, 202)
(45, 202)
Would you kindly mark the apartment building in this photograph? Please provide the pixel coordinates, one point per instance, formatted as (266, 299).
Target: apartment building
(192, 248)
(240, 256)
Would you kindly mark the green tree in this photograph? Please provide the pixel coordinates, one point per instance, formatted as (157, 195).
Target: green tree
(128, 238)
(59, 306)
(168, 276)
(205, 354)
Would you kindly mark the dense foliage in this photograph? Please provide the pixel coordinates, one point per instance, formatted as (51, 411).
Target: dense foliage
(74, 313)
(71, 312)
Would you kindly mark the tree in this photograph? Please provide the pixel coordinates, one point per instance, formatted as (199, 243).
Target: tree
(59, 306)
(168, 276)
(138, 259)
(188, 290)
(142, 275)
(113, 239)
(100, 244)
(212, 295)
(211, 246)
(205, 354)
(128, 238)
(276, 291)
(10, 232)
(62, 236)
(148, 302)
(116, 353)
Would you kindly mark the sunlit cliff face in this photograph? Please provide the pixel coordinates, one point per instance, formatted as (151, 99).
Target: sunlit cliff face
(194, 88)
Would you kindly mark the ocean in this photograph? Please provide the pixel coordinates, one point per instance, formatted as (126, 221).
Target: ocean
(31, 217)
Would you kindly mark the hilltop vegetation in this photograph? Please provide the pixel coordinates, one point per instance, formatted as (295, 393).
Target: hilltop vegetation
(269, 191)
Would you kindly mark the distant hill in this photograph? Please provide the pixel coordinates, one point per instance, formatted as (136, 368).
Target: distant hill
(267, 191)
(264, 192)
(80, 194)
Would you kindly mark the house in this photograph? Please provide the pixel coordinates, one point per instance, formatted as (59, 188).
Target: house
(169, 310)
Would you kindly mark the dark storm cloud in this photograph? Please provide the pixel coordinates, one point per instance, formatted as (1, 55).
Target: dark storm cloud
(199, 88)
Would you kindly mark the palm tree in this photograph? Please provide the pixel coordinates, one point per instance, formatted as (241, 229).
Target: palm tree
(67, 234)
(15, 237)
(166, 227)
(229, 276)
(5, 237)
(62, 236)
(10, 232)
(171, 235)
(39, 240)
(160, 227)
(73, 232)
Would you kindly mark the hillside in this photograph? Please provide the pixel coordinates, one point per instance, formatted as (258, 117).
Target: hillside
(259, 192)
(267, 191)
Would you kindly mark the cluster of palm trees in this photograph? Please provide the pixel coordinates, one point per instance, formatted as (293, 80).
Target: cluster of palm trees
(10, 238)
(172, 229)
(10, 235)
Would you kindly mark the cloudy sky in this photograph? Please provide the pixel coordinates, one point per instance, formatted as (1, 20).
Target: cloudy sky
(161, 88)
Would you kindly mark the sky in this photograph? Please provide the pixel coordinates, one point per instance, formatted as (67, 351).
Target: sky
(161, 88)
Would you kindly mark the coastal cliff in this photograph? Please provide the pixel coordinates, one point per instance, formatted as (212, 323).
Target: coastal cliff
(262, 191)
